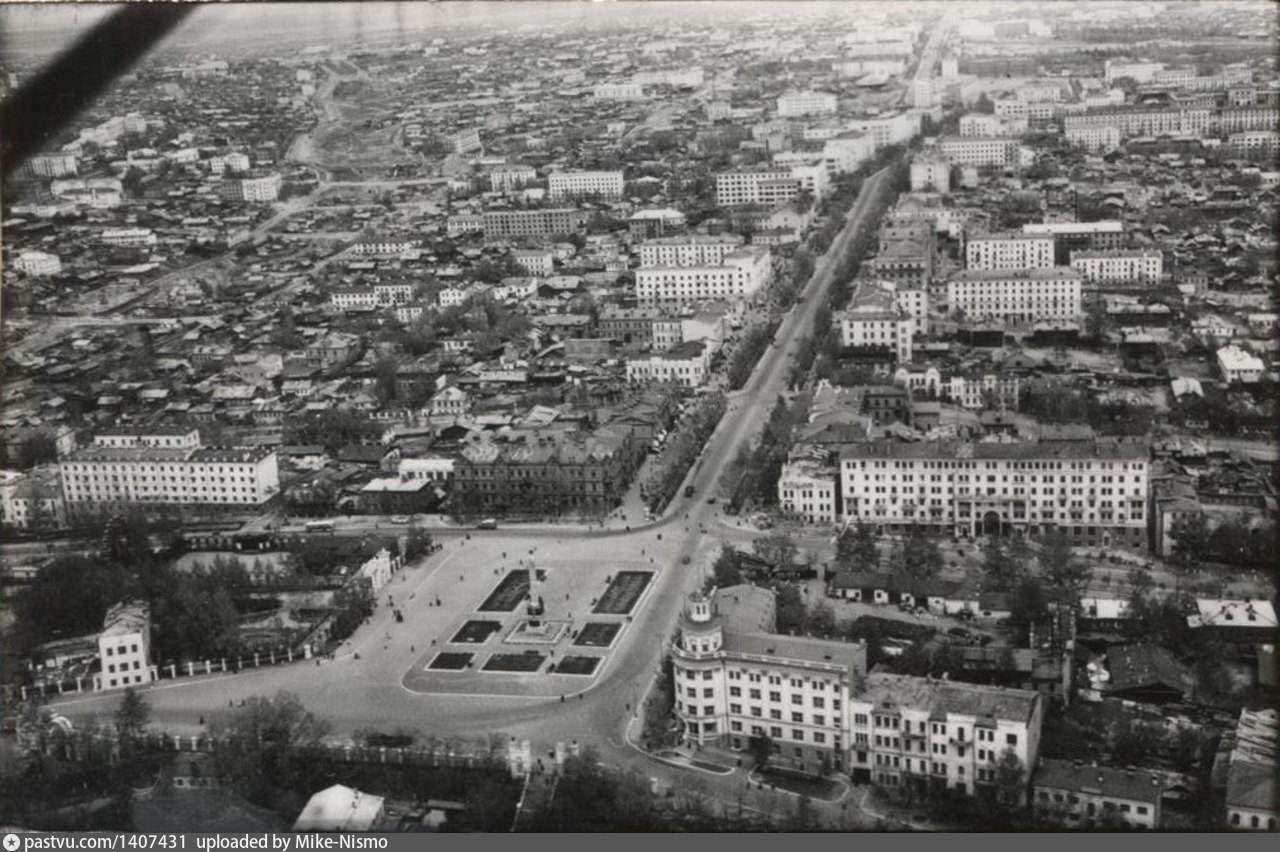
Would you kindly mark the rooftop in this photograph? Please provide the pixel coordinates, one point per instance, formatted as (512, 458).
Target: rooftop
(942, 698)
(959, 450)
(1129, 784)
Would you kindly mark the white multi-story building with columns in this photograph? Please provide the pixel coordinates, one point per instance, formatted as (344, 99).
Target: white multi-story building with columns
(1095, 493)
(1017, 295)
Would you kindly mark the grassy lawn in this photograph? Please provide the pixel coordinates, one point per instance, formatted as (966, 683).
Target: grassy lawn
(577, 665)
(476, 632)
(622, 593)
(597, 634)
(529, 661)
(451, 661)
(799, 783)
(513, 589)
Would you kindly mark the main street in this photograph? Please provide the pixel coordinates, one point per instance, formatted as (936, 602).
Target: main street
(366, 693)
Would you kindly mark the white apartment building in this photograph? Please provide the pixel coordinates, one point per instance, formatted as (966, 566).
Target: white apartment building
(982, 124)
(375, 245)
(875, 326)
(625, 90)
(465, 141)
(930, 174)
(688, 364)
(733, 680)
(1014, 109)
(562, 185)
(1253, 143)
(509, 178)
(1016, 295)
(1144, 121)
(535, 261)
(105, 476)
(371, 298)
(979, 150)
(428, 468)
(923, 732)
(742, 273)
(124, 647)
(1141, 72)
(1094, 138)
(128, 237)
(756, 186)
(1238, 366)
(37, 263)
(682, 78)
(847, 153)
(409, 314)
(51, 166)
(234, 162)
(1009, 251)
(1119, 266)
(890, 129)
(807, 489)
(1076, 794)
(688, 250)
(259, 189)
(972, 391)
(799, 104)
(1095, 493)
(32, 500)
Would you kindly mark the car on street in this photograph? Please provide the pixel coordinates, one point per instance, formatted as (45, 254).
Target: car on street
(487, 524)
(400, 519)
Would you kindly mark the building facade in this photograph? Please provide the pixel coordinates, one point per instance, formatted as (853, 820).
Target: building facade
(531, 224)
(1016, 295)
(799, 104)
(979, 150)
(124, 647)
(1094, 493)
(808, 489)
(741, 275)
(1076, 795)
(563, 185)
(1009, 251)
(1119, 266)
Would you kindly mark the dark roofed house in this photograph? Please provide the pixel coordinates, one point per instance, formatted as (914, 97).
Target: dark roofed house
(1146, 673)
(1081, 795)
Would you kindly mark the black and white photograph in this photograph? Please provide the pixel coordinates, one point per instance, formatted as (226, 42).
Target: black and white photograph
(705, 416)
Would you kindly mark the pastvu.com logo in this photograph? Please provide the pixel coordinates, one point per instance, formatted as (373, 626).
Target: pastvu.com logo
(12, 842)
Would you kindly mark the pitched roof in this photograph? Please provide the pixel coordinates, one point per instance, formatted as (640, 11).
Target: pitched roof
(1144, 666)
(1132, 785)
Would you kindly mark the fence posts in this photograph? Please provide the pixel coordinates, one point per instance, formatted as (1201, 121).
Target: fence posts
(191, 668)
(173, 670)
(255, 659)
(208, 667)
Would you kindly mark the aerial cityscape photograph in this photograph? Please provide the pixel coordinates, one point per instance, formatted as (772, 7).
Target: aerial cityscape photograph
(693, 416)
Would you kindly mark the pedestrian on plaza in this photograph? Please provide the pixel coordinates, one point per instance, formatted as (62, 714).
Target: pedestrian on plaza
(202, 720)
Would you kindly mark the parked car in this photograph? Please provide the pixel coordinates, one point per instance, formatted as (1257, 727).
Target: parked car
(487, 524)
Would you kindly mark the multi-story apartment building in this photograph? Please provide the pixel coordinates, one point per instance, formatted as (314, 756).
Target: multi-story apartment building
(371, 298)
(1252, 144)
(808, 490)
(625, 90)
(1079, 795)
(1074, 236)
(689, 250)
(1239, 366)
(124, 647)
(1139, 72)
(32, 500)
(234, 162)
(984, 125)
(508, 178)
(979, 150)
(546, 474)
(1095, 493)
(631, 327)
(1143, 121)
(36, 263)
(909, 296)
(845, 153)
(254, 189)
(374, 244)
(1094, 138)
(890, 129)
(1238, 119)
(756, 186)
(535, 261)
(734, 681)
(1016, 295)
(1119, 266)
(54, 165)
(128, 237)
(742, 273)
(879, 323)
(597, 184)
(465, 141)
(925, 733)
(930, 174)
(166, 468)
(1009, 251)
(1015, 109)
(906, 254)
(680, 78)
(531, 224)
(687, 364)
(799, 104)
